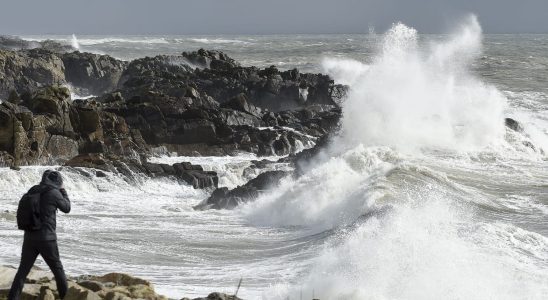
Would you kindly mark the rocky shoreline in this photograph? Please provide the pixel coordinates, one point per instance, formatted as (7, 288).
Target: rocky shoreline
(112, 286)
(200, 103)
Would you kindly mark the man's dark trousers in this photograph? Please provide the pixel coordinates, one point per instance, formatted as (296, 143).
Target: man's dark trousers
(50, 253)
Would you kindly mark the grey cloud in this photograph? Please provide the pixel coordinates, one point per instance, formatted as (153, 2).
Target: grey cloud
(262, 16)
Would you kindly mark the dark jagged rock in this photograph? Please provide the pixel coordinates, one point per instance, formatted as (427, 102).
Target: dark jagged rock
(240, 103)
(222, 198)
(93, 73)
(52, 129)
(16, 43)
(210, 59)
(216, 296)
(193, 175)
(176, 106)
(53, 102)
(92, 161)
(303, 158)
(513, 124)
(223, 79)
(8, 42)
(55, 46)
(40, 135)
(198, 103)
(166, 73)
(29, 70)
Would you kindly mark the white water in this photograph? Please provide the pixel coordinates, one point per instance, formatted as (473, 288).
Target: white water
(74, 42)
(149, 229)
(232, 171)
(411, 98)
(419, 136)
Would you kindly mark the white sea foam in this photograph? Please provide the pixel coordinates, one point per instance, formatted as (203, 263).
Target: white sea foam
(219, 41)
(74, 42)
(413, 100)
(232, 170)
(420, 234)
(425, 251)
(147, 228)
(330, 194)
(90, 41)
(95, 41)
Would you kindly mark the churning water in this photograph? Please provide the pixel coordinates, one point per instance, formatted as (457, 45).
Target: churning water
(424, 194)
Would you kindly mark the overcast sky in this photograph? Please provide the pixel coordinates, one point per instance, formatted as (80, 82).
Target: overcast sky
(263, 16)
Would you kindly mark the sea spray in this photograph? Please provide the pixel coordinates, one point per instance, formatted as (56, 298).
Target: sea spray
(74, 42)
(424, 250)
(413, 99)
(403, 230)
(333, 193)
(403, 101)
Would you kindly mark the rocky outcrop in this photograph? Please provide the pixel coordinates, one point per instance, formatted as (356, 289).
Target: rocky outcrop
(29, 70)
(513, 124)
(15, 43)
(305, 157)
(92, 73)
(185, 172)
(26, 71)
(198, 103)
(223, 198)
(222, 78)
(215, 296)
(112, 286)
(108, 287)
(8, 42)
(210, 59)
(40, 132)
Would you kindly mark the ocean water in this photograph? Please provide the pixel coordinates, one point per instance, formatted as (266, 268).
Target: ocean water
(423, 194)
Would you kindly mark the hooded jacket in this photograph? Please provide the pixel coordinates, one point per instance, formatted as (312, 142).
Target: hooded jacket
(53, 197)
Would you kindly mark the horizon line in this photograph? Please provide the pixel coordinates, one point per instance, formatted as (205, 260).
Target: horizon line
(236, 34)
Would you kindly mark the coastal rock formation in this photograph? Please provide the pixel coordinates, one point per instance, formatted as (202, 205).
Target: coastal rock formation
(112, 286)
(198, 103)
(223, 198)
(92, 73)
(513, 124)
(28, 70)
(15, 43)
(185, 172)
(216, 296)
(39, 131)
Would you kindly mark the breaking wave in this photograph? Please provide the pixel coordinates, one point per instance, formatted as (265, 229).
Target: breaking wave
(407, 190)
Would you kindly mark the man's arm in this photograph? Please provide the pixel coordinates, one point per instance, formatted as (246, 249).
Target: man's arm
(63, 202)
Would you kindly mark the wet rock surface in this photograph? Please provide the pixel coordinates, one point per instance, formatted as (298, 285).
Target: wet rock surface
(223, 198)
(95, 74)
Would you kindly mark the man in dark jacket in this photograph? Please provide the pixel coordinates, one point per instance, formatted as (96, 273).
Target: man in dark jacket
(44, 240)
